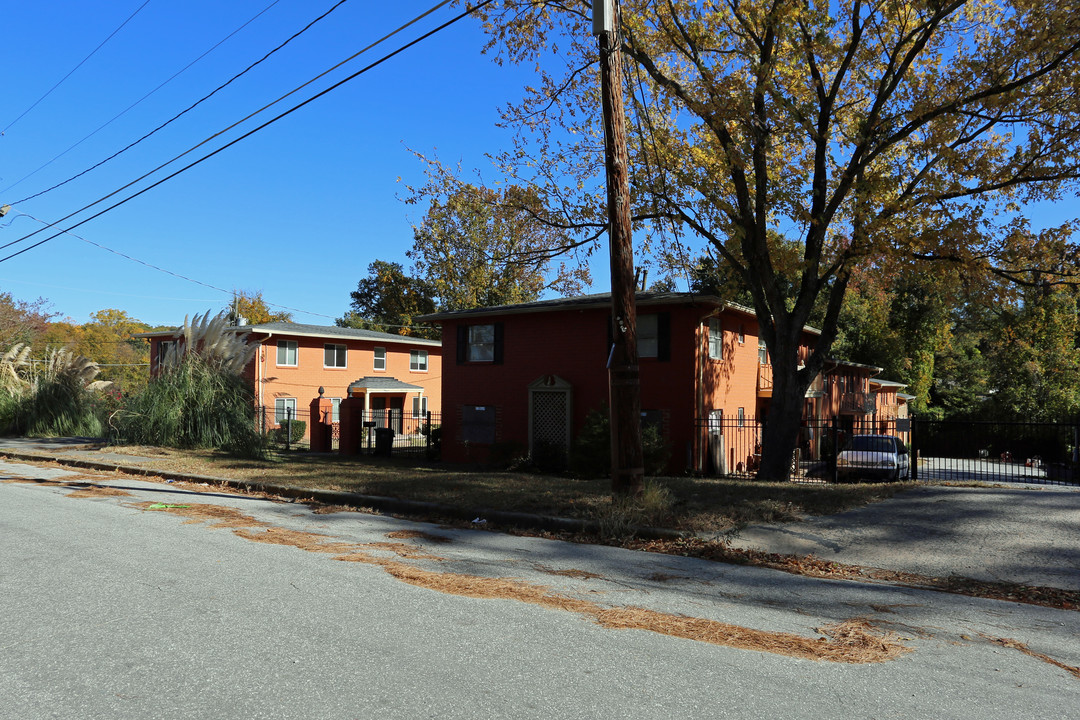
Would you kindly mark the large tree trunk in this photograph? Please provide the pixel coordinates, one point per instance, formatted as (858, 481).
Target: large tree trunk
(781, 433)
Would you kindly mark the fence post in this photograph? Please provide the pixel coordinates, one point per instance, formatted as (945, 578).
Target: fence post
(914, 463)
(288, 428)
(834, 431)
(427, 435)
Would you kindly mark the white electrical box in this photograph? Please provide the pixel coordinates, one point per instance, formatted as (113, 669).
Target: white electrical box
(603, 16)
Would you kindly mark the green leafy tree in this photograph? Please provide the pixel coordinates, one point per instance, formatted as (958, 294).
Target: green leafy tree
(1035, 358)
(480, 247)
(870, 133)
(387, 300)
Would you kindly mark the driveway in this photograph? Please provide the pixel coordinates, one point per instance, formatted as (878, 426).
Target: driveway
(1027, 535)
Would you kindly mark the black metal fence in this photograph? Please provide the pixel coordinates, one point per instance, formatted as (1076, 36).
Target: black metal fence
(382, 431)
(952, 450)
(1028, 452)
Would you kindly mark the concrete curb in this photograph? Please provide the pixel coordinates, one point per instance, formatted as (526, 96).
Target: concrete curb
(380, 503)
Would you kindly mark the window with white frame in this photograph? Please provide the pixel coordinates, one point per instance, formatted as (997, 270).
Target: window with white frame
(287, 351)
(762, 352)
(419, 407)
(334, 356)
(648, 336)
(742, 334)
(284, 409)
(481, 346)
(742, 417)
(418, 360)
(716, 339)
(335, 410)
(380, 358)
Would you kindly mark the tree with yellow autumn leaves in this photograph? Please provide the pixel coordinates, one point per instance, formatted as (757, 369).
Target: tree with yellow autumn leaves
(867, 133)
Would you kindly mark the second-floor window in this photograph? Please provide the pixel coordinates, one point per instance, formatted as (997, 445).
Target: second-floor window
(418, 360)
(334, 356)
(380, 358)
(716, 339)
(480, 343)
(287, 352)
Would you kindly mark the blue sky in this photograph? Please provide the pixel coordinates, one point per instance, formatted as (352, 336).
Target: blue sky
(296, 211)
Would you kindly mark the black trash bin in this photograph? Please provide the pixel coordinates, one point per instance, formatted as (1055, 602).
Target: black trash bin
(384, 441)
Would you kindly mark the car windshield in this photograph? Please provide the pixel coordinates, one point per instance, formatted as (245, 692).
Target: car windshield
(867, 443)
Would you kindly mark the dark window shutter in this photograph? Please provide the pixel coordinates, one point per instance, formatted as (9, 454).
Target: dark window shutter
(498, 343)
(462, 343)
(663, 336)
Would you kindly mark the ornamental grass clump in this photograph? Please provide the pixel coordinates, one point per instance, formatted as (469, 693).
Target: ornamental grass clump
(53, 398)
(199, 399)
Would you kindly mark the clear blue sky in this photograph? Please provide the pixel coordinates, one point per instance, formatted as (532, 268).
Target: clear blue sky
(297, 210)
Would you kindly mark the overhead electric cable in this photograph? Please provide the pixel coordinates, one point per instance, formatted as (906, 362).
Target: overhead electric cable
(248, 117)
(182, 112)
(61, 80)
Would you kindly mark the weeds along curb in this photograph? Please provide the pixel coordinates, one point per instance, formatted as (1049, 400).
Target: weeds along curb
(383, 504)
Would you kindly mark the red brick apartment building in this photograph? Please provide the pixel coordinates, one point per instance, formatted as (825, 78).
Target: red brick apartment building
(530, 373)
(393, 373)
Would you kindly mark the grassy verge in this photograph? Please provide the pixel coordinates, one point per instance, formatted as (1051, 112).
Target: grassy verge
(701, 505)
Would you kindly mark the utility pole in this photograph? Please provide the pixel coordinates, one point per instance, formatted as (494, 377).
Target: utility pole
(624, 385)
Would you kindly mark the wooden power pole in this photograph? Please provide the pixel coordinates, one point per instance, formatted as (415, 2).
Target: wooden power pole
(624, 385)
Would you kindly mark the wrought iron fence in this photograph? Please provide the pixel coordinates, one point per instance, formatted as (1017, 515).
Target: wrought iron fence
(951, 450)
(388, 431)
(967, 450)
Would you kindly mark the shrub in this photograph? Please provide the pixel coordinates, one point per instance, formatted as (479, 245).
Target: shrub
(299, 427)
(58, 398)
(195, 404)
(507, 454)
(591, 453)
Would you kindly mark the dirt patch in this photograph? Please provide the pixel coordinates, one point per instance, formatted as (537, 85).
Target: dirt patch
(93, 491)
(417, 535)
(82, 488)
(320, 509)
(569, 572)
(1017, 645)
(852, 641)
(404, 550)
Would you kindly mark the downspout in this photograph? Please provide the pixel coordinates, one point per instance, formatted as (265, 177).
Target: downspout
(261, 377)
(702, 436)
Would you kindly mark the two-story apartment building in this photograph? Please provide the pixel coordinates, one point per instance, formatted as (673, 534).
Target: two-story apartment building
(397, 376)
(530, 373)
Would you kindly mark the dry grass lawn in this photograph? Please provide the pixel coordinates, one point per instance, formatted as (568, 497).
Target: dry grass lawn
(703, 505)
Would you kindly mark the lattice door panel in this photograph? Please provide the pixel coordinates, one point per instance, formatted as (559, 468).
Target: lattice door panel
(549, 421)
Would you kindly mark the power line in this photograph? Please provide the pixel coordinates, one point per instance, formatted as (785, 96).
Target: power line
(59, 82)
(182, 112)
(242, 120)
(199, 282)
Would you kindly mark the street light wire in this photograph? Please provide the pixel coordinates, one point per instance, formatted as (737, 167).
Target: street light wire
(70, 72)
(182, 112)
(245, 119)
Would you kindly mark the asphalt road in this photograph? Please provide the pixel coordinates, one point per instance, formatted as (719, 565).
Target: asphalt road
(112, 609)
(1028, 535)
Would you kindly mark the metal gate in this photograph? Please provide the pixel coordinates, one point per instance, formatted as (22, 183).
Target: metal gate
(991, 451)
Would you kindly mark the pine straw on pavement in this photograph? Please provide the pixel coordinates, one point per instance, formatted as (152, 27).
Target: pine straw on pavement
(852, 641)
